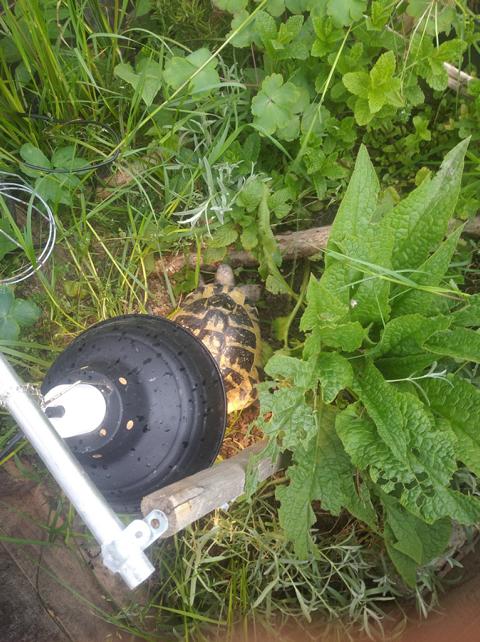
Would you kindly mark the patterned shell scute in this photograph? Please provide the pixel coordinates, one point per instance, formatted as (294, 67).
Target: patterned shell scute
(228, 326)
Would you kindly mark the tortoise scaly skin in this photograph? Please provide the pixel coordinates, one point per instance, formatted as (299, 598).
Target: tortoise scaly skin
(221, 318)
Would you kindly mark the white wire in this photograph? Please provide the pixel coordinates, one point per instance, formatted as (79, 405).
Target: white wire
(7, 190)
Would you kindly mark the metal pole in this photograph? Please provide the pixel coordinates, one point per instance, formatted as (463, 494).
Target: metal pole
(130, 562)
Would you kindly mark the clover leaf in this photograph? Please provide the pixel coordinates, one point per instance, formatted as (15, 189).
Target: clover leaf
(15, 314)
(277, 106)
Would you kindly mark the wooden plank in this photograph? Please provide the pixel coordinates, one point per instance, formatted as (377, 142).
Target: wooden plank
(189, 499)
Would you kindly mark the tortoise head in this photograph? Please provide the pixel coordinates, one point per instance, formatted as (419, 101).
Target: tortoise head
(224, 276)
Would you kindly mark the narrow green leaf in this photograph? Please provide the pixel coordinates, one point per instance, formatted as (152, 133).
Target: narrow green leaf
(420, 221)
(358, 205)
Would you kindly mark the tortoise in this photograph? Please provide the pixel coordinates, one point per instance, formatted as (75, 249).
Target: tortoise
(222, 318)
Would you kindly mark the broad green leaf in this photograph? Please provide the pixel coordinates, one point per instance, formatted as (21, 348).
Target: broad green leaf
(302, 373)
(468, 315)
(223, 236)
(269, 254)
(398, 367)
(345, 12)
(420, 541)
(369, 295)
(249, 237)
(232, 6)
(362, 112)
(14, 314)
(67, 158)
(358, 205)
(299, 6)
(178, 70)
(146, 79)
(430, 273)
(381, 401)
(405, 565)
(6, 301)
(459, 343)
(335, 374)
(321, 470)
(458, 401)
(34, 156)
(345, 336)
(419, 222)
(404, 337)
(9, 329)
(291, 421)
(410, 541)
(25, 313)
(248, 32)
(323, 306)
(422, 477)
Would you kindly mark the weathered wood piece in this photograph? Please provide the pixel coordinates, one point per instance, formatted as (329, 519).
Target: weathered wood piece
(457, 80)
(292, 245)
(189, 499)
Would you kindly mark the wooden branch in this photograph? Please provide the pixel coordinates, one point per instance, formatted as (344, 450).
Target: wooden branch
(189, 499)
(457, 80)
(292, 245)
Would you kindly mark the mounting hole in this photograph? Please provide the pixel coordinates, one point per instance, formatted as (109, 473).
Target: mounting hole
(155, 523)
(130, 424)
(139, 534)
(55, 412)
(102, 432)
(122, 380)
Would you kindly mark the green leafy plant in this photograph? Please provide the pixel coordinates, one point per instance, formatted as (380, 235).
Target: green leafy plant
(15, 314)
(375, 424)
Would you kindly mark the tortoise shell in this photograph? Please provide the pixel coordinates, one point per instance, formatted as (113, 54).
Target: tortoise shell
(228, 326)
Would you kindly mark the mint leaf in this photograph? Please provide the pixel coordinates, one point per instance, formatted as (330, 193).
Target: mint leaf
(357, 83)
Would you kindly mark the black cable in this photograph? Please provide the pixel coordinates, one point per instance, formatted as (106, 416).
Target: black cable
(74, 121)
(10, 447)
